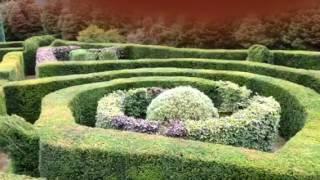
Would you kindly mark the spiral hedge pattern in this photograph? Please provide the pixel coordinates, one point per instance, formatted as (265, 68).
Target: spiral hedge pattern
(57, 105)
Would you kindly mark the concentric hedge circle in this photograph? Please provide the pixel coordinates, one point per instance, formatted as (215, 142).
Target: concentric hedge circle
(63, 140)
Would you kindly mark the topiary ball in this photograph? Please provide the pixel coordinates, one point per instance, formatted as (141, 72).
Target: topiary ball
(260, 53)
(185, 103)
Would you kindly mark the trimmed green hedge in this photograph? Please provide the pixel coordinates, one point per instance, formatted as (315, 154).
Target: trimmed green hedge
(305, 77)
(297, 59)
(135, 51)
(24, 98)
(12, 67)
(70, 151)
(31, 46)
(4, 51)
(20, 140)
(11, 44)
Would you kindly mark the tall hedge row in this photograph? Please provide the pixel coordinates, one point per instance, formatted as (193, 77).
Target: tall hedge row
(71, 151)
(30, 50)
(20, 140)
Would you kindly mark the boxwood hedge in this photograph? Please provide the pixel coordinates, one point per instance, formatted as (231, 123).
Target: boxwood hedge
(136, 51)
(11, 44)
(307, 78)
(20, 140)
(24, 98)
(31, 46)
(70, 151)
(297, 59)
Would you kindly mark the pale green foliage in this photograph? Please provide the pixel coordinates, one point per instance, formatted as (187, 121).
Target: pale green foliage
(253, 127)
(95, 34)
(82, 55)
(108, 54)
(184, 103)
(108, 107)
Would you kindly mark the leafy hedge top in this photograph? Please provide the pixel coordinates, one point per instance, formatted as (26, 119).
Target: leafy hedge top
(297, 59)
(58, 124)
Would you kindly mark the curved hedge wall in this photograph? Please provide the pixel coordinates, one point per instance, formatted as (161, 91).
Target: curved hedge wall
(31, 46)
(67, 147)
(24, 98)
(296, 59)
(307, 78)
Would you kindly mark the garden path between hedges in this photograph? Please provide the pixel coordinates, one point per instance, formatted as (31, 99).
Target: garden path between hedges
(4, 162)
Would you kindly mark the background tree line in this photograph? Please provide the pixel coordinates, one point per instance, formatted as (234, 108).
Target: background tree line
(297, 29)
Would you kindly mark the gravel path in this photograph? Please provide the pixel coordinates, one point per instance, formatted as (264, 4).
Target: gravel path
(4, 162)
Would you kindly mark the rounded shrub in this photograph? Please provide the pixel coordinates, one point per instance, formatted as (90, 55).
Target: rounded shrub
(185, 103)
(260, 53)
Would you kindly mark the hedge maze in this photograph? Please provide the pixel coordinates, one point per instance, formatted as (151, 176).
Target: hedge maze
(48, 124)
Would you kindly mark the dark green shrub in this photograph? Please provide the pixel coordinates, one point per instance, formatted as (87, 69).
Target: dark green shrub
(260, 53)
(20, 140)
(31, 46)
(136, 102)
(11, 44)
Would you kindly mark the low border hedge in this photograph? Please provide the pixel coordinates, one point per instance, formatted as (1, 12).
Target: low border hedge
(70, 151)
(136, 51)
(11, 44)
(31, 46)
(297, 59)
(307, 78)
(290, 58)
